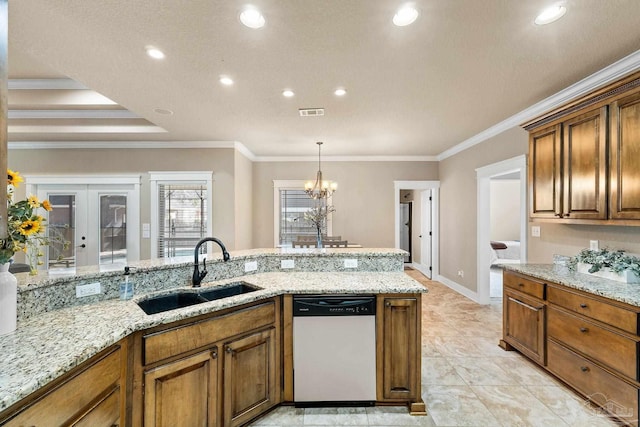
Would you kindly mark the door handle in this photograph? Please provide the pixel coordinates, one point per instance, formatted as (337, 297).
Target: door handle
(81, 246)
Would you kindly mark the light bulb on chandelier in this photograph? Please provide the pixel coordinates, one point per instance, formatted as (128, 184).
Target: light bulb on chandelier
(320, 189)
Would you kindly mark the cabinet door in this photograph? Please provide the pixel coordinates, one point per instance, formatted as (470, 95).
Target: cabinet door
(250, 375)
(585, 166)
(182, 393)
(400, 346)
(524, 324)
(625, 158)
(105, 414)
(545, 178)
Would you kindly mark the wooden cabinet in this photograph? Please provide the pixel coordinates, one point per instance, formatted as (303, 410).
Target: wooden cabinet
(219, 370)
(180, 393)
(625, 157)
(591, 343)
(398, 348)
(545, 172)
(250, 376)
(568, 168)
(584, 159)
(90, 395)
(524, 316)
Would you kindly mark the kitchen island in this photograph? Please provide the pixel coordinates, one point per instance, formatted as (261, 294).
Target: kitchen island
(50, 347)
(583, 329)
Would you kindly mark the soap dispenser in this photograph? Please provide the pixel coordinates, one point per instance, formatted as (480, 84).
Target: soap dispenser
(126, 287)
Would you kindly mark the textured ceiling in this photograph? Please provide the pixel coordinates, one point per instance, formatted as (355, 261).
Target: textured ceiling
(462, 67)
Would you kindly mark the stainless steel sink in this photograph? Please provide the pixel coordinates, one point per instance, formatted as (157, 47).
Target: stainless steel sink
(182, 299)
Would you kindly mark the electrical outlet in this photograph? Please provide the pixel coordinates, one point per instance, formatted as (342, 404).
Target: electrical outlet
(535, 231)
(461, 273)
(287, 263)
(88, 289)
(594, 245)
(350, 263)
(250, 266)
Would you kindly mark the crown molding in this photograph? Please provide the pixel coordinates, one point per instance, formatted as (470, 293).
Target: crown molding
(607, 75)
(72, 114)
(347, 159)
(46, 145)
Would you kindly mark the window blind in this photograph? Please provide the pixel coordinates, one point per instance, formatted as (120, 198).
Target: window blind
(182, 218)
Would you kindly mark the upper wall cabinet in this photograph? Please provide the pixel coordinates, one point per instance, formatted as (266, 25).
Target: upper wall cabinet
(584, 159)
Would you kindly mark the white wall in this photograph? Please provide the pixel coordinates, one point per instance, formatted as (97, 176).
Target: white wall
(505, 209)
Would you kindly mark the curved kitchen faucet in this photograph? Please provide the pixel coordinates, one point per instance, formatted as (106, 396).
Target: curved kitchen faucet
(197, 274)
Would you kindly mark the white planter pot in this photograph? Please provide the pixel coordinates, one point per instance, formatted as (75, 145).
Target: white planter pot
(8, 300)
(626, 276)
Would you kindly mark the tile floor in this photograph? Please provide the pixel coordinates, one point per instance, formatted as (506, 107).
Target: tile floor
(467, 380)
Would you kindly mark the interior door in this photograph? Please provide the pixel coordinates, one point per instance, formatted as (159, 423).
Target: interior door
(94, 218)
(426, 234)
(405, 229)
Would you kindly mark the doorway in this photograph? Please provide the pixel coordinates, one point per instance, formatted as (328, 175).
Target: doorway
(416, 203)
(502, 223)
(100, 220)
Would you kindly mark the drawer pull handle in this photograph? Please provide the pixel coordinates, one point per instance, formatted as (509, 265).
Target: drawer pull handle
(583, 305)
(584, 368)
(583, 330)
(521, 285)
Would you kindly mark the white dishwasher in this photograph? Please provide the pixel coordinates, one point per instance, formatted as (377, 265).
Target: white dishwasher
(334, 350)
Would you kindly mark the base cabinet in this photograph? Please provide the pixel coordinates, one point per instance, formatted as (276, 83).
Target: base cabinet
(398, 342)
(179, 393)
(524, 320)
(249, 377)
(221, 370)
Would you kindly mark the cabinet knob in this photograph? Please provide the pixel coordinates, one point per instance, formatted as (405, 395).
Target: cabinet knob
(388, 304)
(559, 215)
(567, 214)
(214, 352)
(583, 305)
(521, 285)
(584, 368)
(229, 350)
(583, 330)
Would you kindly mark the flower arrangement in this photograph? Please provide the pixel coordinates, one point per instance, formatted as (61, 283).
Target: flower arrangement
(25, 228)
(615, 260)
(317, 216)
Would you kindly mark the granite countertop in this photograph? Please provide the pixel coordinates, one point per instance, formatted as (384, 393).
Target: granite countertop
(618, 291)
(49, 345)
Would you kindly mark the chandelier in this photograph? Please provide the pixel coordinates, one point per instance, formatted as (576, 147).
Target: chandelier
(320, 189)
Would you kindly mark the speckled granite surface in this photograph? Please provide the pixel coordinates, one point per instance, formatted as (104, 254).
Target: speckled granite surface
(49, 344)
(623, 292)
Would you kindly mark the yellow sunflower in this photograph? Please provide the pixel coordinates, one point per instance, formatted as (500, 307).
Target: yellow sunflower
(29, 227)
(13, 178)
(47, 205)
(33, 201)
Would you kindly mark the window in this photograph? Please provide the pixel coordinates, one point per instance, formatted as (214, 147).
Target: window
(290, 204)
(181, 206)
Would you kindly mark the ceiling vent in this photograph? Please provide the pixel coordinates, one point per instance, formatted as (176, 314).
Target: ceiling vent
(311, 112)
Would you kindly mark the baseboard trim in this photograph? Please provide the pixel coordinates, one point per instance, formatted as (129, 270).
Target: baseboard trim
(473, 296)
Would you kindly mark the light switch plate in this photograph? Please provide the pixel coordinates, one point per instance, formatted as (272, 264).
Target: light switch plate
(594, 245)
(287, 263)
(250, 266)
(535, 231)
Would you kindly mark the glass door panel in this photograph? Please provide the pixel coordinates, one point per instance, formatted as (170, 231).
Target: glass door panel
(113, 228)
(62, 222)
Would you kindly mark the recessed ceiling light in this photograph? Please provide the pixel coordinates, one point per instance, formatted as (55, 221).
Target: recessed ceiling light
(154, 52)
(227, 81)
(252, 18)
(340, 92)
(550, 14)
(287, 93)
(163, 111)
(405, 16)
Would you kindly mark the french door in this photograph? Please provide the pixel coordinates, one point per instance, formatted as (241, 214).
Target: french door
(100, 220)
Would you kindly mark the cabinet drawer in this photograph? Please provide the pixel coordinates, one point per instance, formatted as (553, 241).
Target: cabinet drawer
(74, 395)
(524, 284)
(613, 315)
(599, 386)
(172, 342)
(610, 348)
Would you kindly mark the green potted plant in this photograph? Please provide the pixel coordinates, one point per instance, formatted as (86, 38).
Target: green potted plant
(609, 264)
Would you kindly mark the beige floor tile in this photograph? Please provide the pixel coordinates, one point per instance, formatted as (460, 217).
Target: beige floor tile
(396, 416)
(457, 406)
(482, 371)
(526, 372)
(282, 416)
(574, 410)
(438, 371)
(335, 417)
(455, 346)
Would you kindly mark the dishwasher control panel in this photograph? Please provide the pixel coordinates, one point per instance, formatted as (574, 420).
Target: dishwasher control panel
(334, 305)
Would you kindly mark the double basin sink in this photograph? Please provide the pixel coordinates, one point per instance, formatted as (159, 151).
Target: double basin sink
(183, 298)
